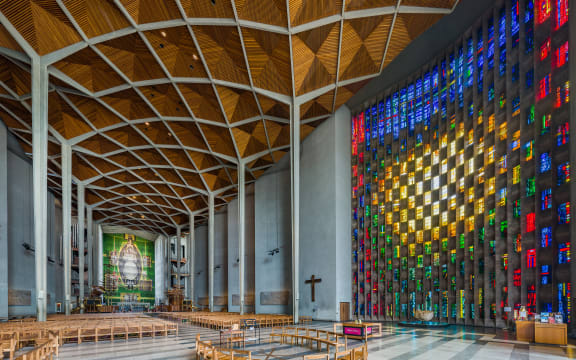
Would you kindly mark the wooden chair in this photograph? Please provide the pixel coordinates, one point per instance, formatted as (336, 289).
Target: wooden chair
(316, 357)
(360, 353)
(344, 355)
(8, 345)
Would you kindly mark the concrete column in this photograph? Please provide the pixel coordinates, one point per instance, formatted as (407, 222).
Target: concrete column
(40, 178)
(89, 242)
(211, 252)
(168, 263)
(191, 255)
(178, 254)
(99, 254)
(81, 248)
(295, 197)
(3, 223)
(66, 161)
(241, 232)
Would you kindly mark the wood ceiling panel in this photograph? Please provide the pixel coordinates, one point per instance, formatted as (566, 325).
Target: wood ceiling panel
(304, 11)
(11, 122)
(177, 51)
(208, 9)
(129, 104)
(219, 139)
(352, 5)
(127, 160)
(18, 110)
(188, 133)
(315, 54)
(158, 133)
(195, 204)
(271, 12)
(203, 161)
(178, 158)
(64, 119)
(165, 99)
(89, 70)
(105, 182)
(223, 52)
(272, 107)
(100, 164)
(81, 169)
(42, 23)
(96, 113)
(152, 157)
(192, 179)
(127, 136)
(170, 175)
(99, 145)
(216, 179)
(446, 4)
(250, 138)
(265, 160)
(125, 177)
(7, 41)
(344, 93)
(15, 78)
(363, 44)
(407, 28)
(238, 104)
(202, 101)
(149, 11)
(96, 17)
(319, 106)
(278, 133)
(269, 59)
(131, 55)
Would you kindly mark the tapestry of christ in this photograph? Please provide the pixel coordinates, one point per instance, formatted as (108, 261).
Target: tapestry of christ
(128, 268)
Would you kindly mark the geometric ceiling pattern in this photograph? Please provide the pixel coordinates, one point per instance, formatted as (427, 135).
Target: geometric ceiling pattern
(161, 99)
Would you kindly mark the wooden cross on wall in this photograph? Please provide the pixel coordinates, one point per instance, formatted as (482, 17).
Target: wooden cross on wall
(312, 282)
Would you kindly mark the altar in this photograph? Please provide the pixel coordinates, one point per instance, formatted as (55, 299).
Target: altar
(362, 331)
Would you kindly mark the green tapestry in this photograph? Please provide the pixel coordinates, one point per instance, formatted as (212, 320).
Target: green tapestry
(128, 268)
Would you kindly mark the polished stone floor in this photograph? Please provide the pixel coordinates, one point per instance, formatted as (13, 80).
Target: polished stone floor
(397, 343)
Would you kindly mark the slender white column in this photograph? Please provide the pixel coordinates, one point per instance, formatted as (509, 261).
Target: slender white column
(89, 242)
(100, 254)
(40, 178)
(295, 197)
(178, 254)
(3, 223)
(191, 262)
(81, 248)
(241, 231)
(211, 251)
(67, 222)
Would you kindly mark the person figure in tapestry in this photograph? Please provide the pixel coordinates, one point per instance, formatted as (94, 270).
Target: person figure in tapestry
(130, 263)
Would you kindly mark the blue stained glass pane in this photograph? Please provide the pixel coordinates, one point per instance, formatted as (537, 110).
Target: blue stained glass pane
(564, 213)
(374, 122)
(515, 22)
(470, 63)
(546, 236)
(502, 28)
(367, 124)
(546, 199)
(381, 123)
(563, 253)
(545, 162)
(502, 66)
(403, 108)
(388, 115)
(426, 82)
(529, 11)
(490, 51)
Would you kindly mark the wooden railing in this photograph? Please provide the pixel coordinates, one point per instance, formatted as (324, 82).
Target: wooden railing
(46, 349)
(227, 320)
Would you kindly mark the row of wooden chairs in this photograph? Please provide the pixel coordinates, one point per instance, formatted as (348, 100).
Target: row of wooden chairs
(220, 321)
(9, 344)
(46, 349)
(359, 353)
(206, 351)
(89, 330)
(309, 337)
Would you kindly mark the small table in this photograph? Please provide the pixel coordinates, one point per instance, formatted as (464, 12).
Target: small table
(361, 331)
(525, 330)
(545, 333)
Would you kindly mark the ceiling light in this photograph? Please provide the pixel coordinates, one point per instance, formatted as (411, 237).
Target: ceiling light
(194, 56)
(163, 33)
(147, 123)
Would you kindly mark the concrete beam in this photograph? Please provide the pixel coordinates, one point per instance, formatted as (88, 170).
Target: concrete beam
(67, 223)
(40, 179)
(241, 232)
(295, 213)
(3, 222)
(211, 251)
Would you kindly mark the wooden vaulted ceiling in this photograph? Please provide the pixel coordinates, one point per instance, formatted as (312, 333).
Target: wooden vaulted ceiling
(160, 99)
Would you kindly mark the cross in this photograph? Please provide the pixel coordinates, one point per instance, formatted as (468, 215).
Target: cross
(312, 282)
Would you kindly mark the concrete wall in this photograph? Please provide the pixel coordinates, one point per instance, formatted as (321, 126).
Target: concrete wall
(233, 252)
(21, 265)
(272, 231)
